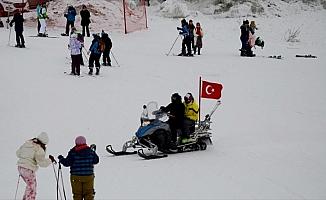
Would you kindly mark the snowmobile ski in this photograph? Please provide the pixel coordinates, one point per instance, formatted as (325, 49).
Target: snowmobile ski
(119, 153)
(305, 56)
(150, 156)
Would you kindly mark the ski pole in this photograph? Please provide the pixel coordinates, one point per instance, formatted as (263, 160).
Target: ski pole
(57, 179)
(9, 36)
(17, 186)
(115, 58)
(63, 186)
(173, 45)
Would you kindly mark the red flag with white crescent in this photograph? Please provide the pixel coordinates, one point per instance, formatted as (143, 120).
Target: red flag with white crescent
(211, 90)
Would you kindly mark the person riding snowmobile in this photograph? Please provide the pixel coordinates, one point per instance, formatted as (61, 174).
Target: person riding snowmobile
(175, 110)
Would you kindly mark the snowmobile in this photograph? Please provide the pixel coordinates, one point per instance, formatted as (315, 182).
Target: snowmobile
(152, 139)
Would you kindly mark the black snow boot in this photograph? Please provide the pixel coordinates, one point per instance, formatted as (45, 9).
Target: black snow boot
(90, 71)
(97, 71)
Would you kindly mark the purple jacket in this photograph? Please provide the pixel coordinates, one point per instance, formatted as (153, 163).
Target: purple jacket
(74, 45)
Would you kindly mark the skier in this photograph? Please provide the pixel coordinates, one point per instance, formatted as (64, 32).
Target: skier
(75, 51)
(38, 15)
(95, 51)
(31, 156)
(70, 14)
(184, 30)
(42, 19)
(191, 116)
(81, 160)
(198, 38)
(175, 110)
(191, 34)
(85, 21)
(108, 45)
(19, 28)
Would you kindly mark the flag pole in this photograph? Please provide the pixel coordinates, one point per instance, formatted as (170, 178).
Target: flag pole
(199, 101)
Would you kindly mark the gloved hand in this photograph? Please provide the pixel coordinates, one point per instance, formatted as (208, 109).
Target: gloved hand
(10, 24)
(52, 159)
(88, 52)
(60, 157)
(93, 147)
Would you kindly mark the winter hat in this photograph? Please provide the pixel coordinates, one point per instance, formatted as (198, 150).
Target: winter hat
(43, 137)
(80, 140)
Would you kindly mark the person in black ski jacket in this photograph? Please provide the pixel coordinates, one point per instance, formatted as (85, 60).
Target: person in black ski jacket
(191, 34)
(175, 110)
(108, 45)
(85, 20)
(81, 160)
(19, 29)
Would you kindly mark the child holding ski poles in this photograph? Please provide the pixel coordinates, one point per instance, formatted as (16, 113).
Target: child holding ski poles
(31, 156)
(81, 160)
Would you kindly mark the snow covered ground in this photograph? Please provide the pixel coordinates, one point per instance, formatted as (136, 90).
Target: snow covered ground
(269, 133)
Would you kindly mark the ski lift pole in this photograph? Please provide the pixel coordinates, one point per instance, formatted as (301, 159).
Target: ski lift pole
(173, 45)
(115, 58)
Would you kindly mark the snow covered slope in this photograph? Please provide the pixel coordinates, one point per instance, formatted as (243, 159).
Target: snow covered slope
(269, 133)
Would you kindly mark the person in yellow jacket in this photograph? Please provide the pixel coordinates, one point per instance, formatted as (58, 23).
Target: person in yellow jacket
(191, 115)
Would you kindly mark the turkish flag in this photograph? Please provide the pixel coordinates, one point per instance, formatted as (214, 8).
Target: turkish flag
(211, 90)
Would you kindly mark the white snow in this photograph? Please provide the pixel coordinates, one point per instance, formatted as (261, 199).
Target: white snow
(269, 133)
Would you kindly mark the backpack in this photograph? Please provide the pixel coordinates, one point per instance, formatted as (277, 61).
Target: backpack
(101, 45)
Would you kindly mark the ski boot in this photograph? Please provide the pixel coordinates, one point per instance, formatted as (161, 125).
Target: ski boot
(97, 71)
(90, 71)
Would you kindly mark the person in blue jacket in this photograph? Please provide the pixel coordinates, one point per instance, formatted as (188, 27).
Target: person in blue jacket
(186, 42)
(95, 55)
(81, 160)
(71, 16)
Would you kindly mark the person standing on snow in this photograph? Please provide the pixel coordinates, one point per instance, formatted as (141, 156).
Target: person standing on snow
(191, 34)
(75, 51)
(108, 45)
(81, 160)
(19, 28)
(85, 21)
(31, 156)
(198, 38)
(184, 31)
(38, 15)
(95, 51)
(42, 19)
(191, 116)
(70, 14)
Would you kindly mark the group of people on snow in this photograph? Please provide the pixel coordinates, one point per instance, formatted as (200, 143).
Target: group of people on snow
(182, 119)
(100, 46)
(81, 160)
(192, 38)
(247, 38)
